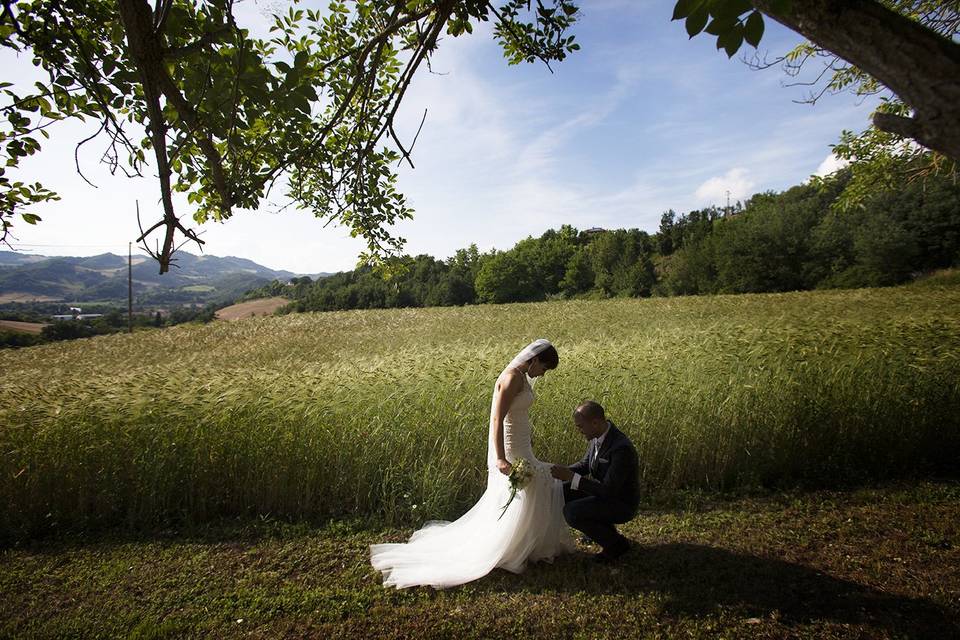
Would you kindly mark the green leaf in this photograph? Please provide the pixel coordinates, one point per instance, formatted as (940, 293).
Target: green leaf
(730, 9)
(753, 29)
(30, 218)
(697, 20)
(730, 41)
(718, 26)
(684, 8)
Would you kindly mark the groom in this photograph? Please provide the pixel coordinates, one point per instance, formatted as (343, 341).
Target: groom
(602, 489)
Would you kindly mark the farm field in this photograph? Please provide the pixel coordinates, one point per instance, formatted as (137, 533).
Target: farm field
(383, 414)
(21, 327)
(250, 308)
(24, 297)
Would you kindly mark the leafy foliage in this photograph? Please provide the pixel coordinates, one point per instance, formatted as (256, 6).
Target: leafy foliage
(799, 240)
(228, 116)
(733, 22)
(788, 241)
(880, 159)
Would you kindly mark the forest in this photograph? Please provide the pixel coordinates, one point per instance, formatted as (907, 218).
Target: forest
(795, 240)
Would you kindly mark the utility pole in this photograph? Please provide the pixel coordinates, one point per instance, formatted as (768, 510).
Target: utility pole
(129, 287)
(728, 204)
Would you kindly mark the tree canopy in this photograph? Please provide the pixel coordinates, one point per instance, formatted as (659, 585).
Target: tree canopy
(904, 51)
(226, 116)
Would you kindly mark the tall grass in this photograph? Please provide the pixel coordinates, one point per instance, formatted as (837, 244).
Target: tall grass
(384, 413)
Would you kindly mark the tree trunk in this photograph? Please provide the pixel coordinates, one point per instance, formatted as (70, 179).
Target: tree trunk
(919, 65)
(146, 51)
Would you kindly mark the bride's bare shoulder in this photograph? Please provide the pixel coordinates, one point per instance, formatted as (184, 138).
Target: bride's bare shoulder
(510, 378)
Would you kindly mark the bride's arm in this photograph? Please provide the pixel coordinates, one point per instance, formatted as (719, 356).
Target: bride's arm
(507, 389)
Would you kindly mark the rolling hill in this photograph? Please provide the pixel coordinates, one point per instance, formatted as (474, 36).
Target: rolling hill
(103, 278)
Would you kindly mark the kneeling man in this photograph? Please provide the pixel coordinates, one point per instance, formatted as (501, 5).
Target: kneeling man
(603, 488)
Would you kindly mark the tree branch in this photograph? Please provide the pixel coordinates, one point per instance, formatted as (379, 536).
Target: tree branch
(76, 151)
(199, 44)
(518, 39)
(887, 45)
(144, 47)
(204, 141)
(7, 14)
(899, 125)
(354, 87)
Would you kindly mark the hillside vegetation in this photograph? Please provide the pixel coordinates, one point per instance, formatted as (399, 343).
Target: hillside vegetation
(103, 279)
(384, 413)
(796, 240)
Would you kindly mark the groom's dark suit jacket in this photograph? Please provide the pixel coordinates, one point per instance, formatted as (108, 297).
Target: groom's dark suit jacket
(615, 472)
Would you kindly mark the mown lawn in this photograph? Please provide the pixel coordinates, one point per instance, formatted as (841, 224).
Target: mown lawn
(869, 563)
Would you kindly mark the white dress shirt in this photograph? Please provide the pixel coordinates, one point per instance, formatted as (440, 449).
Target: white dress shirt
(598, 442)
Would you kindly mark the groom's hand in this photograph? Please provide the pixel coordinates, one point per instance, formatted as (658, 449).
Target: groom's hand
(561, 473)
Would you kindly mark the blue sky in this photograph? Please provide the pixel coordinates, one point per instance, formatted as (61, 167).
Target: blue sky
(639, 121)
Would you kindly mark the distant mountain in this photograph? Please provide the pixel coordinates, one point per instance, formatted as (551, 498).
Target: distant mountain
(192, 279)
(12, 258)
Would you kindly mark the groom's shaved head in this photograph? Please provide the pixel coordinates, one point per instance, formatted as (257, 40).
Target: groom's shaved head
(590, 410)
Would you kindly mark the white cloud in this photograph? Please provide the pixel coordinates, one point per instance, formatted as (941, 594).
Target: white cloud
(735, 181)
(830, 164)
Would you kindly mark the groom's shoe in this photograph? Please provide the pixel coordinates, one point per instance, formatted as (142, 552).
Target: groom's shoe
(613, 553)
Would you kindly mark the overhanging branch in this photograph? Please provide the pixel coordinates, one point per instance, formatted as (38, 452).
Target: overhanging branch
(899, 125)
(211, 37)
(918, 64)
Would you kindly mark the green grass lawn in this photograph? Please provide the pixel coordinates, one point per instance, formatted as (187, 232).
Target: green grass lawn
(869, 563)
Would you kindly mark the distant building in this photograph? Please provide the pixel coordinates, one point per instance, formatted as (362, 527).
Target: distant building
(592, 231)
(76, 316)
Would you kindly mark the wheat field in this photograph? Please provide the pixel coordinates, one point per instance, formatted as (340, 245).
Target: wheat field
(383, 414)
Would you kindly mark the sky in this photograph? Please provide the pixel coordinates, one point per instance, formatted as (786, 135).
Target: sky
(639, 121)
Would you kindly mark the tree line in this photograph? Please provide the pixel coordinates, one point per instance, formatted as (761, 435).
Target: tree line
(112, 320)
(772, 242)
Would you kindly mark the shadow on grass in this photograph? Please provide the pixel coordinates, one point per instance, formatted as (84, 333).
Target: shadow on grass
(695, 580)
(234, 531)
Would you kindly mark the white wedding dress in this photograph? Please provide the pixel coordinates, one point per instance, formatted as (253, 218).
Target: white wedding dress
(445, 554)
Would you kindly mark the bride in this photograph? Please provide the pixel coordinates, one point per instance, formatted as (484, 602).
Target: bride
(445, 554)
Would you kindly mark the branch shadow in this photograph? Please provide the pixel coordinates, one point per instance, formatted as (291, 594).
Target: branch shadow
(695, 580)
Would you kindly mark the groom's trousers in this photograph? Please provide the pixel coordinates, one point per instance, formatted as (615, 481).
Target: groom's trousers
(595, 516)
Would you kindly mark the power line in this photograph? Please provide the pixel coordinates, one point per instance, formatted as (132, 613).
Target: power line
(24, 244)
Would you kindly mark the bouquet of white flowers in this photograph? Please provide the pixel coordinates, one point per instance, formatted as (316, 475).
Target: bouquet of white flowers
(521, 473)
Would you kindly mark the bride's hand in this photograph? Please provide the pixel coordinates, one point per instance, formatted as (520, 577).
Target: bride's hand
(504, 466)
